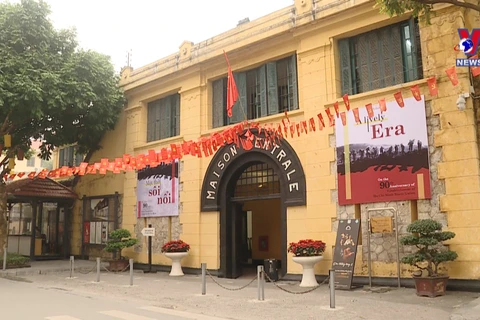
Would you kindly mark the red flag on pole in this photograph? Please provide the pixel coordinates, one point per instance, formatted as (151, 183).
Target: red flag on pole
(232, 92)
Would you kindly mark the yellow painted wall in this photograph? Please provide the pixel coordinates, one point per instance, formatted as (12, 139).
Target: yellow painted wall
(266, 221)
(191, 71)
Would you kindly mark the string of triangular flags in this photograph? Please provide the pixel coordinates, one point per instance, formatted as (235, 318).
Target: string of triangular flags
(239, 134)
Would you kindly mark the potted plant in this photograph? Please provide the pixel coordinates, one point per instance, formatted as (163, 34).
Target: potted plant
(307, 253)
(118, 240)
(176, 250)
(427, 237)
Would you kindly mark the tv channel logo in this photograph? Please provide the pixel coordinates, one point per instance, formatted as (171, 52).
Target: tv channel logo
(468, 45)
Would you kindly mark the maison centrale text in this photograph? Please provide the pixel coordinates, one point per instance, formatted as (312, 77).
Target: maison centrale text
(275, 151)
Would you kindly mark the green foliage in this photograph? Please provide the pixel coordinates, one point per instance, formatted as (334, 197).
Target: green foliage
(15, 260)
(427, 236)
(419, 8)
(49, 88)
(118, 240)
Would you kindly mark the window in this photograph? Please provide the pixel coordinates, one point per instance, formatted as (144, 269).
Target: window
(100, 218)
(381, 58)
(31, 161)
(266, 90)
(163, 118)
(69, 157)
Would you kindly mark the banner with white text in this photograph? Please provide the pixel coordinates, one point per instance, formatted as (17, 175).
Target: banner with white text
(157, 191)
(383, 157)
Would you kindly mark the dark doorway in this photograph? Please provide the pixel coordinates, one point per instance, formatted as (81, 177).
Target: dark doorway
(254, 224)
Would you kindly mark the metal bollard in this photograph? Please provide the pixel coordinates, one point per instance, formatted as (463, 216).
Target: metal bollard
(98, 269)
(72, 266)
(131, 271)
(332, 289)
(260, 283)
(204, 278)
(4, 258)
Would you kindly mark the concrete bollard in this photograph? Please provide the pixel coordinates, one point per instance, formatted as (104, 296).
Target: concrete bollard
(332, 289)
(260, 283)
(204, 278)
(131, 271)
(72, 266)
(98, 269)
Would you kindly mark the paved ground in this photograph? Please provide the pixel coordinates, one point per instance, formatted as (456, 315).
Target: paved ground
(184, 294)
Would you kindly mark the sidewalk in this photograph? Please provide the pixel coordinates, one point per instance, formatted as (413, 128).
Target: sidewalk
(184, 293)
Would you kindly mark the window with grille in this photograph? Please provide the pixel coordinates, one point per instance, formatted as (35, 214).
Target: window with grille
(381, 58)
(31, 161)
(266, 90)
(257, 180)
(68, 156)
(163, 118)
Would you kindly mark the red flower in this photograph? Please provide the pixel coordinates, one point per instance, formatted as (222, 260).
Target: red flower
(175, 246)
(307, 248)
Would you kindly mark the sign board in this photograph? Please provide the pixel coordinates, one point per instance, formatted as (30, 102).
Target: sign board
(381, 224)
(345, 252)
(148, 232)
(383, 156)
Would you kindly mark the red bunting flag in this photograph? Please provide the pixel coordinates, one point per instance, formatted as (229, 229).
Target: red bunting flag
(344, 118)
(452, 75)
(292, 130)
(416, 92)
(399, 98)
(20, 174)
(118, 162)
(103, 163)
(432, 86)
(370, 110)
(32, 174)
(312, 124)
(475, 69)
(356, 115)
(304, 125)
(232, 92)
(335, 106)
(111, 166)
(330, 117)
(102, 171)
(321, 122)
(383, 105)
(346, 101)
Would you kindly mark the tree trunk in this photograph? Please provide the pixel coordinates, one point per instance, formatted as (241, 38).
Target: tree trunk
(3, 217)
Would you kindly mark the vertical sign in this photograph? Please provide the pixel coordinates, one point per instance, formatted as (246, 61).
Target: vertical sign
(383, 156)
(86, 232)
(345, 252)
(157, 191)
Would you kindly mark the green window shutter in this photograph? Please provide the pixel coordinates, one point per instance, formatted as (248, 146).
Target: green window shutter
(240, 107)
(70, 156)
(272, 86)
(61, 157)
(78, 159)
(345, 66)
(292, 83)
(177, 115)
(261, 92)
(218, 103)
(151, 121)
(166, 118)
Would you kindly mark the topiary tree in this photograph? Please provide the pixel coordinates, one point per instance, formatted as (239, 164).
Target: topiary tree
(118, 240)
(427, 236)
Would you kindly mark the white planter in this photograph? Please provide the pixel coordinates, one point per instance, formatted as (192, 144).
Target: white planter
(176, 257)
(308, 276)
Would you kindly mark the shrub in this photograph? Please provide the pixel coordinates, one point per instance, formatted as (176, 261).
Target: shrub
(118, 240)
(15, 260)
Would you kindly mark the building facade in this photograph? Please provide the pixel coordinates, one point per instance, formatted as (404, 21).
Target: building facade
(245, 204)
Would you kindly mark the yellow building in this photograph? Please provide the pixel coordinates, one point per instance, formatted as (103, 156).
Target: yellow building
(302, 59)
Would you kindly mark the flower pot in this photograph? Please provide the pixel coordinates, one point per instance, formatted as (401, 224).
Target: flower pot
(176, 257)
(308, 275)
(431, 286)
(118, 265)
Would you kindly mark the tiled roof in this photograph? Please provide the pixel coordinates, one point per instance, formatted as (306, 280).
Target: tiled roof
(40, 188)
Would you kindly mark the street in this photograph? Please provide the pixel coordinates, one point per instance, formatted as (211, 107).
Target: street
(30, 301)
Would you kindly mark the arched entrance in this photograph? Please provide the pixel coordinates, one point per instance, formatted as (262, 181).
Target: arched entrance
(266, 178)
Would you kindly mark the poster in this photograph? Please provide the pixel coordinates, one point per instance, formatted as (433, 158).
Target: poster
(345, 252)
(99, 208)
(384, 157)
(86, 232)
(157, 191)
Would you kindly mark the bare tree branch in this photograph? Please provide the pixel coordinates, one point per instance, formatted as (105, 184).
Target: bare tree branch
(458, 3)
(5, 122)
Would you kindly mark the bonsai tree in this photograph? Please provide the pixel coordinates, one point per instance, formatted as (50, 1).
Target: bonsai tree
(427, 237)
(118, 240)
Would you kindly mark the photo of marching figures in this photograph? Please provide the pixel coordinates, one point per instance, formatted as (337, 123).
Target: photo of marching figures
(385, 157)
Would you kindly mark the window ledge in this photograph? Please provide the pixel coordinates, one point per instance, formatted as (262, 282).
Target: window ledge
(133, 108)
(159, 143)
(381, 92)
(267, 119)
